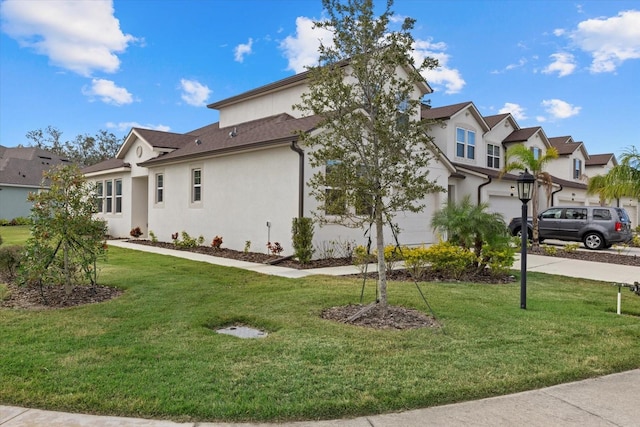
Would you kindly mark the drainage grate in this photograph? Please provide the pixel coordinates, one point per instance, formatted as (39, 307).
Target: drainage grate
(242, 332)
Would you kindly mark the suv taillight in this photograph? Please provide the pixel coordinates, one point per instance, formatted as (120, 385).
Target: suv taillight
(618, 226)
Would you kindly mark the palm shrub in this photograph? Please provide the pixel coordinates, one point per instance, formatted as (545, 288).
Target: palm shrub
(302, 236)
(472, 227)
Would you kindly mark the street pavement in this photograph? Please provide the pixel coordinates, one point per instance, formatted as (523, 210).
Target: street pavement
(611, 400)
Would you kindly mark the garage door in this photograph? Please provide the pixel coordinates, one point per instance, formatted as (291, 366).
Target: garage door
(508, 206)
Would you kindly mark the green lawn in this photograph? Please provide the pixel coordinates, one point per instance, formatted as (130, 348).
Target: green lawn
(14, 235)
(152, 352)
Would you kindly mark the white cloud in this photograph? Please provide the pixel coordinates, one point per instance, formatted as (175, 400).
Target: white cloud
(541, 119)
(126, 126)
(445, 76)
(516, 110)
(194, 93)
(301, 50)
(81, 36)
(108, 92)
(243, 49)
(559, 109)
(563, 63)
(609, 41)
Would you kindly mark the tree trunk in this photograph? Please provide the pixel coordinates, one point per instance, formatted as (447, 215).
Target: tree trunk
(382, 268)
(535, 245)
(67, 274)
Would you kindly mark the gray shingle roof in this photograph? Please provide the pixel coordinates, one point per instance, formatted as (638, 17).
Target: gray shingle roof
(24, 166)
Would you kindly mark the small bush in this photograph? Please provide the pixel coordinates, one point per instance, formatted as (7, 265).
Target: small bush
(10, 259)
(217, 242)
(571, 247)
(360, 257)
(275, 248)
(549, 250)
(335, 249)
(187, 241)
(135, 232)
(416, 261)
(247, 246)
(392, 256)
(499, 259)
(153, 237)
(302, 236)
(450, 260)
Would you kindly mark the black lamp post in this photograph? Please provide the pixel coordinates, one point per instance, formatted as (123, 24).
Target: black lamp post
(525, 190)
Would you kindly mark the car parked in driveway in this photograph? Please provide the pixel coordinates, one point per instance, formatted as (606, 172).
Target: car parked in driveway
(597, 227)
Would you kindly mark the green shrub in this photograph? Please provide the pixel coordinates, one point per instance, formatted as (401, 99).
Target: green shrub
(571, 247)
(416, 261)
(450, 260)
(549, 250)
(10, 258)
(392, 256)
(498, 258)
(187, 241)
(302, 236)
(360, 257)
(153, 237)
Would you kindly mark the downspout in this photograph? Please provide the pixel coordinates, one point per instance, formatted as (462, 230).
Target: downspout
(297, 149)
(553, 193)
(480, 189)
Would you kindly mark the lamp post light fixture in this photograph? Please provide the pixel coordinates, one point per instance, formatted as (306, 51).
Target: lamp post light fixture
(525, 184)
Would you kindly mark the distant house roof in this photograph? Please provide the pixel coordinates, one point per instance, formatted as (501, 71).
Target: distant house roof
(601, 159)
(492, 121)
(522, 135)
(24, 166)
(213, 140)
(446, 112)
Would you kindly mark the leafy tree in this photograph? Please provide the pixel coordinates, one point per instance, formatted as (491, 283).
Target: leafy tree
(373, 146)
(65, 239)
(84, 150)
(519, 157)
(471, 227)
(622, 180)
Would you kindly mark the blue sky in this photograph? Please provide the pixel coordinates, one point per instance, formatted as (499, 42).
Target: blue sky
(571, 67)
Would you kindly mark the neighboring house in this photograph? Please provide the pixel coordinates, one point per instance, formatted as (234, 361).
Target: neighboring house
(243, 178)
(476, 146)
(21, 170)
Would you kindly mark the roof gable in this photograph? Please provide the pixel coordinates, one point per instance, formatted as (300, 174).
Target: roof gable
(449, 112)
(24, 166)
(523, 135)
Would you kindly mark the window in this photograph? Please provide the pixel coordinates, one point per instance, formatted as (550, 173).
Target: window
(109, 198)
(118, 183)
(577, 168)
(575, 213)
(196, 185)
(99, 196)
(465, 143)
(493, 156)
(554, 213)
(601, 214)
(402, 118)
(537, 152)
(159, 188)
(364, 204)
(335, 202)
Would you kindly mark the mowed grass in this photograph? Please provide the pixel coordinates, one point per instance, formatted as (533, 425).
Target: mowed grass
(15, 234)
(153, 351)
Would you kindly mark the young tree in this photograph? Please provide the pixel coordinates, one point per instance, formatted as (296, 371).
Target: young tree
(519, 157)
(65, 238)
(373, 151)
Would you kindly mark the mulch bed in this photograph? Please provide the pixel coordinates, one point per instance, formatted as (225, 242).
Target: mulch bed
(393, 317)
(49, 297)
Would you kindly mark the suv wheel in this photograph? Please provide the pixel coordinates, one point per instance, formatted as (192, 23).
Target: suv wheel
(593, 241)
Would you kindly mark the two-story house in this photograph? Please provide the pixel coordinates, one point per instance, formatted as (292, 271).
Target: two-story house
(243, 178)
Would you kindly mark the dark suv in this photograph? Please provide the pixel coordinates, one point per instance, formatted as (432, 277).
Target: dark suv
(596, 226)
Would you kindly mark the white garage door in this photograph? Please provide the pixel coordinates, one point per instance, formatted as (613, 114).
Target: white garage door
(509, 207)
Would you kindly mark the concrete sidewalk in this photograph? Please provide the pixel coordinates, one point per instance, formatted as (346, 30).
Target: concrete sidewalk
(612, 400)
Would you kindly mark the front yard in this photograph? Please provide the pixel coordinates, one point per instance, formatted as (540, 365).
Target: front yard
(153, 351)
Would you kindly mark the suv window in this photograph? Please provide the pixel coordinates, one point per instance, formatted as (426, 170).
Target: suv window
(575, 213)
(622, 214)
(601, 214)
(552, 213)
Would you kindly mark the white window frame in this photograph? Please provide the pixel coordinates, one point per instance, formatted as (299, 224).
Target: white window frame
(100, 196)
(196, 187)
(493, 159)
(117, 190)
(159, 188)
(328, 190)
(467, 143)
(108, 196)
(577, 168)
